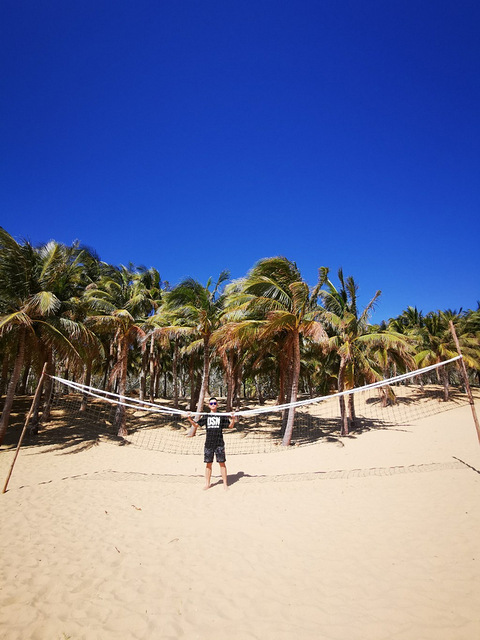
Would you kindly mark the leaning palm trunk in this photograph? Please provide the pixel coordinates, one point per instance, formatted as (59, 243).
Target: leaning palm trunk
(287, 437)
(7, 407)
(283, 369)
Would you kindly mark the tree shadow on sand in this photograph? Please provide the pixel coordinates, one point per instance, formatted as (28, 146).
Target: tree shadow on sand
(70, 430)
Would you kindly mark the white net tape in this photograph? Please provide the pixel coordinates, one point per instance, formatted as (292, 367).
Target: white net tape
(143, 405)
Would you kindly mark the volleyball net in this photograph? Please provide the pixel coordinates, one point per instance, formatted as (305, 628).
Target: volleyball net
(88, 413)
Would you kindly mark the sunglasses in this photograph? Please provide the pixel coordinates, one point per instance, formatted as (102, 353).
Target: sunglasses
(212, 403)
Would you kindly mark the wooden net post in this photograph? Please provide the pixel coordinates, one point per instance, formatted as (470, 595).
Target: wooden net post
(27, 420)
(467, 384)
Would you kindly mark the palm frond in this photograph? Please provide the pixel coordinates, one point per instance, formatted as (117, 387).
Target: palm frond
(43, 303)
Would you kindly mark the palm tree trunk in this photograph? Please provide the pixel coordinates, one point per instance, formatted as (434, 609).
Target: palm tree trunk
(86, 381)
(48, 387)
(114, 356)
(230, 376)
(341, 388)
(26, 372)
(445, 384)
(120, 416)
(7, 407)
(4, 375)
(238, 372)
(143, 372)
(287, 381)
(206, 371)
(351, 410)
(294, 389)
(152, 369)
(34, 422)
(196, 385)
(191, 376)
(106, 374)
(258, 385)
(175, 373)
(282, 373)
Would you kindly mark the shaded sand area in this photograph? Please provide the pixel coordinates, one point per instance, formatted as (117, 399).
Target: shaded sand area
(362, 538)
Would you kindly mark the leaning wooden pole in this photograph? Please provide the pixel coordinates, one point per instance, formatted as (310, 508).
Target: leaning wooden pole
(27, 420)
(467, 384)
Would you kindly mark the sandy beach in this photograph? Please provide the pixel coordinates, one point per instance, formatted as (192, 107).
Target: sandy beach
(367, 538)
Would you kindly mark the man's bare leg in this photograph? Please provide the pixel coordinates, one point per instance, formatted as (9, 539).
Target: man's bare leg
(208, 475)
(223, 471)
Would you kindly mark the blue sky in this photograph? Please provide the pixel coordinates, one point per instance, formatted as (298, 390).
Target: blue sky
(195, 136)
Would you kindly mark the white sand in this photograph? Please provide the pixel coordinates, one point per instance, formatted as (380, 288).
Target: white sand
(119, 542)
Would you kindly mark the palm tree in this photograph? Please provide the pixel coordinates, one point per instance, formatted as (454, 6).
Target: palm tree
(353, 341)
(438, 344)
(65, 272)
(469, 329)
(37, 291)
(120, 303)
(237, 343)
(198, 310)
(409, 321)
(166, 330)
(276, 289)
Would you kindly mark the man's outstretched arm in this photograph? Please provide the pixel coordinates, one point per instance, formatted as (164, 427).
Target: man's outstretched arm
(195, 426)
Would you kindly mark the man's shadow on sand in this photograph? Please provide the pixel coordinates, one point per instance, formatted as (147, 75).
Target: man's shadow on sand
(233, 478)
(237, 477)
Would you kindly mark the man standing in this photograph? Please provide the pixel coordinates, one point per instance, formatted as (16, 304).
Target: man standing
(214, 443)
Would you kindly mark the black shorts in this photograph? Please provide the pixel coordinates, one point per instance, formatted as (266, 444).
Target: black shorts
(219, 452)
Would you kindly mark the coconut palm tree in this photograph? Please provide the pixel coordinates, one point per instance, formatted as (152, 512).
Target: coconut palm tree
(198, 310)
(353, 341)
(237, 343)
(168, 331)
(409, 321)
(37, 292)
(120, 303)
(276, 289)
(469, 329)
(438, 344)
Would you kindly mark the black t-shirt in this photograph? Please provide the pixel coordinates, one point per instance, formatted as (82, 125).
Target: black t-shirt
(215, 426)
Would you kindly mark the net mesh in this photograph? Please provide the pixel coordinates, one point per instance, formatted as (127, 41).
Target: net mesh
(87, 414)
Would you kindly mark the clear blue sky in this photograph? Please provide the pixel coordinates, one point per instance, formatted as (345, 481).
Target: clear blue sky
(195, 136)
